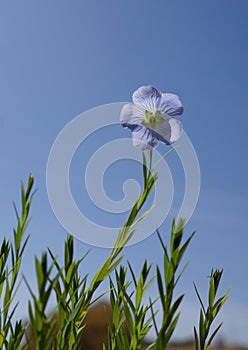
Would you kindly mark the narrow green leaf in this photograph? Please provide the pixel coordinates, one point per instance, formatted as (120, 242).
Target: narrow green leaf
(144, 168)
(214, 334)
(148, 284)
(185, 246)
(171, 330)
(181, 272)
(199, 298)
(139, 292)
(176, 304)
(196, 339)
(211, 294)
(133, 275)
(165, 155)
(202, 330)
(160, 287)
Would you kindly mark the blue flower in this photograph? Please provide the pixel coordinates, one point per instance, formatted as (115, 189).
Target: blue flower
(150, 117)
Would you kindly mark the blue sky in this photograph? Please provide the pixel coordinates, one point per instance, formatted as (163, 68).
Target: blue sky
(59, 59)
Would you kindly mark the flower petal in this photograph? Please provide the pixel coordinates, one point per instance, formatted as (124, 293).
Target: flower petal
(148, 97)
(130, 126)
(171, 105)
(169, 131)
(132, 114)
(143, 138)
(176, 129)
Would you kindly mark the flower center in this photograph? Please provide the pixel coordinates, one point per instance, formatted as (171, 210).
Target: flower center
(152, 118)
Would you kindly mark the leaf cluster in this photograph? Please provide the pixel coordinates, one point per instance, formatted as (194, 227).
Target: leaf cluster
(203, 338)
(11, 254)
(134, 314)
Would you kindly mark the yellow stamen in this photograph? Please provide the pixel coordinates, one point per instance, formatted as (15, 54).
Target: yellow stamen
(153, 118)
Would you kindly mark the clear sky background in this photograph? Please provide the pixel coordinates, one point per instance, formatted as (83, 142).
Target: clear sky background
(60, 58)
